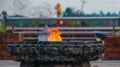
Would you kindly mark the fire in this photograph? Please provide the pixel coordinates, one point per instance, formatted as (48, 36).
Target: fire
(51, 35)
(54, 36)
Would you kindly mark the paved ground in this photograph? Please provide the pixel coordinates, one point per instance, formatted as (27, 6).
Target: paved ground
(9, 63)
(93, 63)
(105, 63)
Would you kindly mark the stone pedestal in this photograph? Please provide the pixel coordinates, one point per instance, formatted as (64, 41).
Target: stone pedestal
(55, 54)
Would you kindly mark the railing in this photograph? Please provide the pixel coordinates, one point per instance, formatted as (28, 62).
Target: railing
(66, 31)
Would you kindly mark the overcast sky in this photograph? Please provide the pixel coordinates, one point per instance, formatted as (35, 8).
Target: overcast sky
(90, 5)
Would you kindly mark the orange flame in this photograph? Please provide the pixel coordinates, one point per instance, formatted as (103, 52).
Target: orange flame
(54, 36)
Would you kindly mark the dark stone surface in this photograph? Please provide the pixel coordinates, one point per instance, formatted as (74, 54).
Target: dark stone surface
(58, 52)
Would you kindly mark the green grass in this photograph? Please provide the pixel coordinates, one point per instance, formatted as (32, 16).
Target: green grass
(3, 29)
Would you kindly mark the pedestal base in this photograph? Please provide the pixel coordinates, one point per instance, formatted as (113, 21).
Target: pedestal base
(37, 64)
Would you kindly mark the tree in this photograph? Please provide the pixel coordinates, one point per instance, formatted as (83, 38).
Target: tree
(114, 14)
(69, 12)
(108, 14)
(101, 13)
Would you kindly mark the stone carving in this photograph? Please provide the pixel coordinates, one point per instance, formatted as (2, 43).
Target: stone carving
(55, 51)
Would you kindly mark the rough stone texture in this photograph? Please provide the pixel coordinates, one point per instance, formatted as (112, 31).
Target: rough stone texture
(56, 51)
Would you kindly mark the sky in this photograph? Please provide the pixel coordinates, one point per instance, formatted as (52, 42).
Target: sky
(89, 7)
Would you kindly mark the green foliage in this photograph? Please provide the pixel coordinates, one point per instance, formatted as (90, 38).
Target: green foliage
(38, 24)
(70, 12)
(3, 28)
